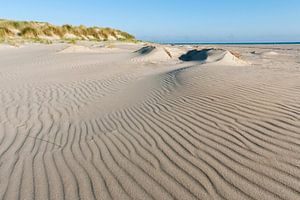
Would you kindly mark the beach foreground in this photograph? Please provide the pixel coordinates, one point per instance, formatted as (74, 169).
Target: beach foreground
(131, 121)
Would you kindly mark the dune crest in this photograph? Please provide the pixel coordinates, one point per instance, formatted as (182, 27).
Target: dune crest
(156, 53)
(43, 32)
(216, 56)
(151, 54)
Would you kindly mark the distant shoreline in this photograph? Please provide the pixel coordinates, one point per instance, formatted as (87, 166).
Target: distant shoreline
(231, 43)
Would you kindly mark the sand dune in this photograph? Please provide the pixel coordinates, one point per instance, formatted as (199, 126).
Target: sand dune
(157, 53)
(32, 31)
(77, 49)
(216, 56)
(269, 53)
(88, 125)
(87, 49)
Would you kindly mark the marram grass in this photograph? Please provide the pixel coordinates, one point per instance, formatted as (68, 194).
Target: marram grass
(43, 31)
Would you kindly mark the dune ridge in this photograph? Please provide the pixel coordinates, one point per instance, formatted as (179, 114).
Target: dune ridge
(151, 54)
(43, 32)
(216, 56)
(99, 126)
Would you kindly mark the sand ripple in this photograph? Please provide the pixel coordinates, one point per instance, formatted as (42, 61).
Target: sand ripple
(91, 127)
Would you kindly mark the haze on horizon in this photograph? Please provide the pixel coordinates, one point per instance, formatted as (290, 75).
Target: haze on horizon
(171, 20)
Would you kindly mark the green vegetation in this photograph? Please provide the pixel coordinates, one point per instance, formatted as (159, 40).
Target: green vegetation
(71, 41)
(5, 32)
(51, 31)
(31, 31)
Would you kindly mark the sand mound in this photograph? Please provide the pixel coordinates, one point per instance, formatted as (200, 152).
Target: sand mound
(269, 53)
(77, 49)
(85, 49)
(145, 50)
(216, 56)
(175, 52)
(155, 54)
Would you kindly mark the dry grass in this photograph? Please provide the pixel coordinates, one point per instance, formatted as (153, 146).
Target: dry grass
(29, 32)
(5, 32)
(37, 30)
(53, 31)
(236, 54)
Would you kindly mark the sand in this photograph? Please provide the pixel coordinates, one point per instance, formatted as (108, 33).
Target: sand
(150, 122)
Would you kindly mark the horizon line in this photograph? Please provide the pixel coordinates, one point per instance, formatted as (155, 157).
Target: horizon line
(228, 43)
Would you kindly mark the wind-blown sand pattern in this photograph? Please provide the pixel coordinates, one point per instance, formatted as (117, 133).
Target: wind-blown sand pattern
(84, 124)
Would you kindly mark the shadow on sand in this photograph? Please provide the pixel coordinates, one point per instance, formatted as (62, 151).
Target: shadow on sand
(195, 55)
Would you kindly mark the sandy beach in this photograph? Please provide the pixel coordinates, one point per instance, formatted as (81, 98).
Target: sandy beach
(148, 121)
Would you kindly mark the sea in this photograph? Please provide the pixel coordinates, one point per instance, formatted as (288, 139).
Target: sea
(233, 43)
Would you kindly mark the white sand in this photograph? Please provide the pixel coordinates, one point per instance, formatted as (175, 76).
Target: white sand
(129, 124)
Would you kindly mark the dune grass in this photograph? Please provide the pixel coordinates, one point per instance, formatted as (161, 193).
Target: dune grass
(29, 32)
(5, 32)
(39, 31)
(50, 30)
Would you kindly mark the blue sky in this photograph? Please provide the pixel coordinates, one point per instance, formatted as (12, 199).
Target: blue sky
(171, 20)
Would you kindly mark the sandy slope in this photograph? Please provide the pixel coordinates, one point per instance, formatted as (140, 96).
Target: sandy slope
(90, 124)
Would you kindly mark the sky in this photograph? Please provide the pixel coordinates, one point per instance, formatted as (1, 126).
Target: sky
(171, 20)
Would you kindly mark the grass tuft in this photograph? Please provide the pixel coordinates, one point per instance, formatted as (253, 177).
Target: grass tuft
(5, 32)
(29, 32)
